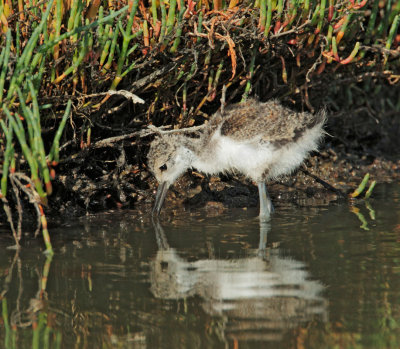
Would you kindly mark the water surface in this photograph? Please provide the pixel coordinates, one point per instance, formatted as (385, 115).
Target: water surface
(314, 277)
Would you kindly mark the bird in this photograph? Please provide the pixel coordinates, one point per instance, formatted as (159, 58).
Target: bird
(261, 140)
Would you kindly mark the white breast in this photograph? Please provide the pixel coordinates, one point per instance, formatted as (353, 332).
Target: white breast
(225, 154)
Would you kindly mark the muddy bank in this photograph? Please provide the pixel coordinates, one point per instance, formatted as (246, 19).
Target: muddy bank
(342, 171)
(133, 186)
(117, 178)
(111, 172)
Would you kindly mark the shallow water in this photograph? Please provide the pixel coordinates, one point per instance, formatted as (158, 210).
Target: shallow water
(314, 277)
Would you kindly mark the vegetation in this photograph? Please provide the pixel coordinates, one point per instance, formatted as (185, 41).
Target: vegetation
(62, 62)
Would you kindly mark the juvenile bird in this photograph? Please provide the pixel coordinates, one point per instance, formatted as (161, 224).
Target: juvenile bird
(263, 141)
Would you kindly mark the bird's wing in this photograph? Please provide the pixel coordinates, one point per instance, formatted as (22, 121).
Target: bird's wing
(268, 121)
(238, 118)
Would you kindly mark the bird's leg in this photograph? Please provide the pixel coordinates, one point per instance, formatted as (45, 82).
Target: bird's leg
(266, 207)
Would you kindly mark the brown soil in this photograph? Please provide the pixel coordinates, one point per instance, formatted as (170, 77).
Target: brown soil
(216, 194)
(82, 188)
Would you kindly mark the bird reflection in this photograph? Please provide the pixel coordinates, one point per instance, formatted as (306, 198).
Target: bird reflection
(260, 297)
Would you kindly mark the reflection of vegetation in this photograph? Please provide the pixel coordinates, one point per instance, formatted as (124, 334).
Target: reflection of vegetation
(35, 316)
(383, 333)
(362, 270)
(42, 332)
(360, 216)
(330, 335)
(10, 335)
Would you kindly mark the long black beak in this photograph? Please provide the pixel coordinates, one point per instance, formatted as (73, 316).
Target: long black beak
(160, 197)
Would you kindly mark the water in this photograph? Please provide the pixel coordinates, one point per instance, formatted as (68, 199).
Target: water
(312, 278)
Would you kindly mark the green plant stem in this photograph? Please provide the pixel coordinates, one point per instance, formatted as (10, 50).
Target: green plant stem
(101, 30)
(200, 25)
(279, 8)
(39, 144)
(19, 131)
(361, 187)
(77, 61)
(154, 11)
(392, 31)
(171, 17)
(321, 14)
(72, 16)
(251, 72)
(384, 23)
(45, 47)
(371, 22)
(5, 57)
(112, 50)
(163, 20)
(24, 62)
(106, 46)
(179, 28)
(127, 37)
(53, 155)
(8, 154)
(269, 18)
(263, 13)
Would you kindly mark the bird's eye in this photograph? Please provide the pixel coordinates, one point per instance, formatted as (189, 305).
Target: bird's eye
(163, 167)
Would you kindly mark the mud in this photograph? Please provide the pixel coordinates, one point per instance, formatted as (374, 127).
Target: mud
(115, 176)
(108, 175)
(341, 170)
(87, 186)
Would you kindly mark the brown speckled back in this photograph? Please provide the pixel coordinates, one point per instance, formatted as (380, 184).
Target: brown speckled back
(268, 121)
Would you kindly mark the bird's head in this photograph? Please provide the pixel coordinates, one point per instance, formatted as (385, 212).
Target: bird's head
(168, 158)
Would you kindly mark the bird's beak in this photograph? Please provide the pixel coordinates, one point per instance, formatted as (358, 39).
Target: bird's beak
(160, 197)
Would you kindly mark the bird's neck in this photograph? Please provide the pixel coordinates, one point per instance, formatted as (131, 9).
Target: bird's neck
(189, 148)
(197, 152)
(192, 144)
